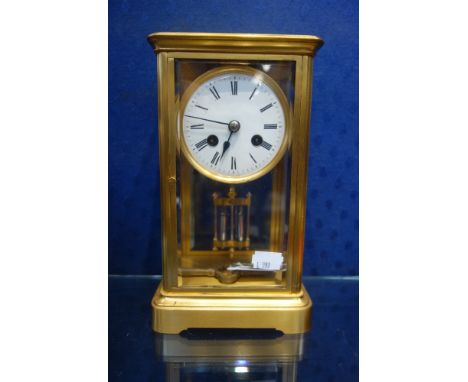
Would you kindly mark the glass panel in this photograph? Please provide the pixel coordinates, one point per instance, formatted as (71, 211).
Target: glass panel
(233, 169)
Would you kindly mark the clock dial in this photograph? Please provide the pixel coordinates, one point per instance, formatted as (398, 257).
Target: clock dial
(234, 124)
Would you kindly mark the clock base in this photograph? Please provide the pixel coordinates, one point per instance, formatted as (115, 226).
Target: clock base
(174, 313)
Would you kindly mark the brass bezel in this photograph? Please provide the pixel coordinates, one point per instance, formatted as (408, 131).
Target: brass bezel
(269, 81)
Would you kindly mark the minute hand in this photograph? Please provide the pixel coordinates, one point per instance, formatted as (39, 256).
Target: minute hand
(209, 120)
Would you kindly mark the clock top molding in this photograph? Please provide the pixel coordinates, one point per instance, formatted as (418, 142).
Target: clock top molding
(235, 43)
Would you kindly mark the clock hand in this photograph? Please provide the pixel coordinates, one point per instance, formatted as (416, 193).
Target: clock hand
(226, 144)
(209, 120)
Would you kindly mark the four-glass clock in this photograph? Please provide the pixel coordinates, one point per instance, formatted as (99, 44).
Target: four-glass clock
(233, 121)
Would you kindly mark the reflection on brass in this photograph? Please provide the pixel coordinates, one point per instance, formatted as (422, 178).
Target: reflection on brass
(286, 312)
(223, 275)
(233, 206)
(234, 42)
(227, 277)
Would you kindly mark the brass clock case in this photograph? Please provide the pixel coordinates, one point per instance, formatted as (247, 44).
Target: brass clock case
(263, 77)
(197, 290)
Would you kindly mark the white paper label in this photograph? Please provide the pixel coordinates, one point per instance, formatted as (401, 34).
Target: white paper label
(271, 261)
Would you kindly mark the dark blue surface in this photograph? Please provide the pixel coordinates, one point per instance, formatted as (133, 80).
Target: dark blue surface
(134, 210)
(330, 350)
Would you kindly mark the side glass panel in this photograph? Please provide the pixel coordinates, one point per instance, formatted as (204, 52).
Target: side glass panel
(222, 225)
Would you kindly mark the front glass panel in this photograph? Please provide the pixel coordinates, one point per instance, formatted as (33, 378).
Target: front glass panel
(234, 126)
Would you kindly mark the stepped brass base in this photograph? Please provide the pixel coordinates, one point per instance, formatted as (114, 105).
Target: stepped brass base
(175, 313)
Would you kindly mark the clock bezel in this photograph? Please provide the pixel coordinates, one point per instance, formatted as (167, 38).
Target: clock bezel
(270, 82)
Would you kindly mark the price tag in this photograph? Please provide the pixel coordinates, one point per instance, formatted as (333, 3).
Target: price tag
(271, 261)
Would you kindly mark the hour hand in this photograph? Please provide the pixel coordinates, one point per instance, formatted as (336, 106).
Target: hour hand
(226, 144)
(225, 147)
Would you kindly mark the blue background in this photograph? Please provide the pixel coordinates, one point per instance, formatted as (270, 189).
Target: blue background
(331, 246)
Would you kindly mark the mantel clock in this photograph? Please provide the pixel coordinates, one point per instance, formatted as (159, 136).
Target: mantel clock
(234, 113)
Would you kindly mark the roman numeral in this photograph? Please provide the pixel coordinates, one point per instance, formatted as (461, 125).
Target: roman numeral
(234, 87)
(266, 107)
(201, 107)
(233, 163)
(199, 126)
(215, 93)
(252, 158)
(253, 93)
(265, 145)
(215, 158)
(270, 126)
(202, 144)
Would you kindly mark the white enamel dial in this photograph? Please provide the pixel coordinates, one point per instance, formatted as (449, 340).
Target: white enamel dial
(234, 125)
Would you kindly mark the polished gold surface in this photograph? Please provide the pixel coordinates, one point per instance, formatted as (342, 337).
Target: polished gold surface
(238, 244)
(173, 314)
(287, 122)
(195, 292)
(167, 158)
(232, 199)
(186, 212)
(206, 263)
(300, 155)
(278, 208)
(223, 276)
(235, 43)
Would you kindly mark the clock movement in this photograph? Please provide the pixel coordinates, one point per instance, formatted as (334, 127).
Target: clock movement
(234, 114)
